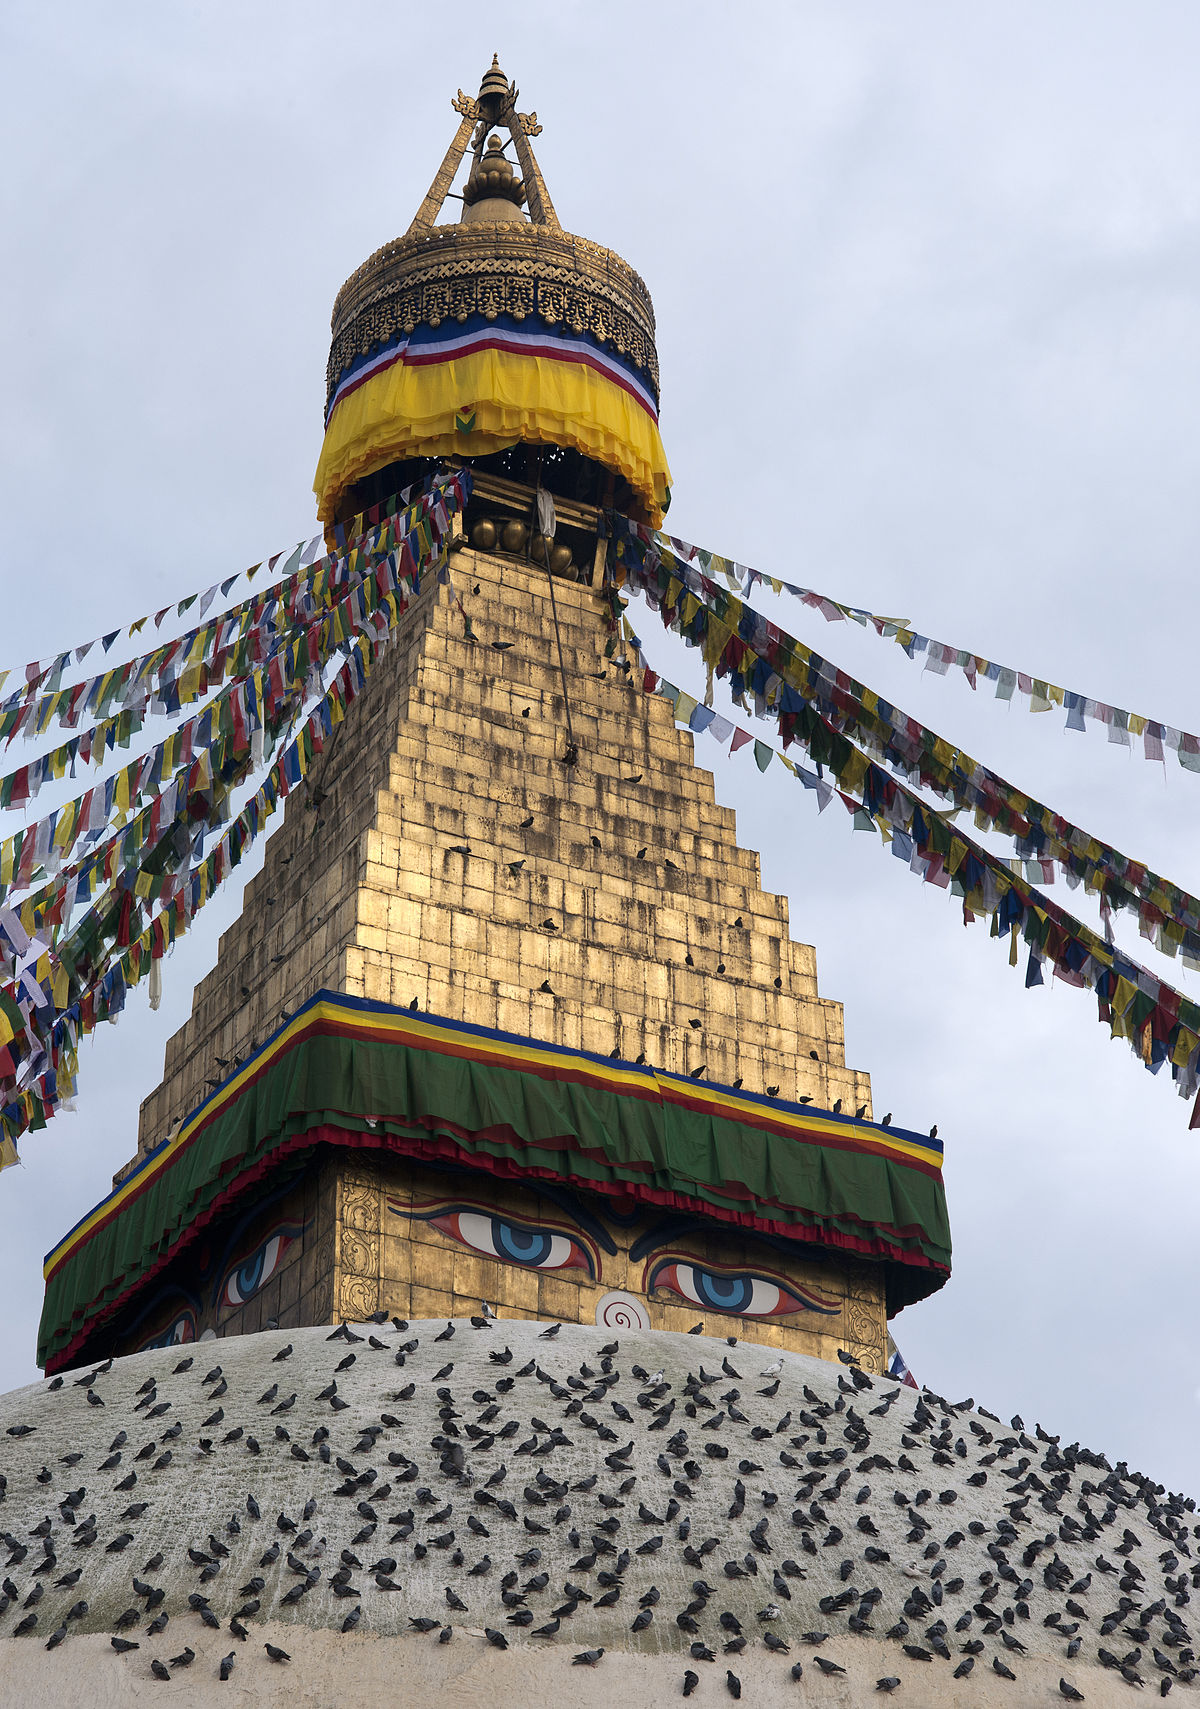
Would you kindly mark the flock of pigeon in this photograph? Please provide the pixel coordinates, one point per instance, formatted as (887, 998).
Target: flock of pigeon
(504, 1483)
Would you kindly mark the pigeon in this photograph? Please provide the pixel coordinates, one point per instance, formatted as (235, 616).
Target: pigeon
(690, 1682)
(158, 1670)
(227, 1665)
(828, 1666)
(888, 1683)
(1067, 1690)
(587, 1658)
(276, 1654)
(733, 1684)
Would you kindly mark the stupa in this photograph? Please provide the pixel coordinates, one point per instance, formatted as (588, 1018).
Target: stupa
(506, 1165)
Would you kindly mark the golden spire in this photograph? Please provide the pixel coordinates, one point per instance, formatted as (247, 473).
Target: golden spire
(495, 107)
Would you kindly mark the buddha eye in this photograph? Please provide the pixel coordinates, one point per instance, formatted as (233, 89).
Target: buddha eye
(254, 1272)
(536, 1247)
(740, 1293)
(183, 1329)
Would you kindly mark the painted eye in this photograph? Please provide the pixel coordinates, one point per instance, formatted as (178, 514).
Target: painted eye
(183, 1329)
(514, 1242)
(737, 1292)
(256, 1271)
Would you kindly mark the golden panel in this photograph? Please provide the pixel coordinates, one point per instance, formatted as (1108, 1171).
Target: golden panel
(834, 1302)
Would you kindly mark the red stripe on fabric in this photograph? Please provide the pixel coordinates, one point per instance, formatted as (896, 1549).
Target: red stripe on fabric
(497, 342)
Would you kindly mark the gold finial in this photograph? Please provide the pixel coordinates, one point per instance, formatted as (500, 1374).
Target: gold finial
(492, 182)
(495, 95)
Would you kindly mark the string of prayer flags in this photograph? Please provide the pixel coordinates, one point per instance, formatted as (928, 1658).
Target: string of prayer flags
(236, 712)
(64, 978)
(788, 682)
(46, 677)
(1120, 726)
(183, 670)
(1160, 1023)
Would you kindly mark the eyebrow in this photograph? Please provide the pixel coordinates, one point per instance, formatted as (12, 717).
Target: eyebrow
(567, 1201)
(664, 1234)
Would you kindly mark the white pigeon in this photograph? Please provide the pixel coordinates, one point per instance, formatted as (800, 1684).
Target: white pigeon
(772, 1370)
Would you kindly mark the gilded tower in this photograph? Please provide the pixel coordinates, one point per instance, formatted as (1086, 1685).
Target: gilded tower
(507, 1015)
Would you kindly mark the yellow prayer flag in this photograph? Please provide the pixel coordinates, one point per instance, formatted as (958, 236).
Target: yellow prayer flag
(1185, 1044)
(854, 772)
(64, 831)
(716, 639)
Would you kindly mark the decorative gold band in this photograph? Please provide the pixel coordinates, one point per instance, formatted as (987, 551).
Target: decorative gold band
(519, 271)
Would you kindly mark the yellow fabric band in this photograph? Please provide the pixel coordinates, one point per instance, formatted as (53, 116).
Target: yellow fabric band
(411, 412)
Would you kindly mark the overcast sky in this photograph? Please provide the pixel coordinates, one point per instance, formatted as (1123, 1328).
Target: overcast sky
(927, 280)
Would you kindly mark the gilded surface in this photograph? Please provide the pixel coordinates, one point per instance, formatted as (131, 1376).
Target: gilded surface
(356, 1285)
(517, 270)
(453, 746)
(443, 1245)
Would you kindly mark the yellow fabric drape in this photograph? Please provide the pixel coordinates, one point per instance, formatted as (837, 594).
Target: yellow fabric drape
(411, 412)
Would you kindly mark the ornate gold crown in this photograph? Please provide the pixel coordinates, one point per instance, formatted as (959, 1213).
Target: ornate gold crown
(496, 262)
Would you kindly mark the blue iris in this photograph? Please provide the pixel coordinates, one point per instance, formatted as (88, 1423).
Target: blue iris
(723, 1293)
(522, 1245)
(249, 1275)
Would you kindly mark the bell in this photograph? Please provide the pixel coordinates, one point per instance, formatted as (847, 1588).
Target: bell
(512, 538)
(483, 535)
(537, 549)
(560, 559)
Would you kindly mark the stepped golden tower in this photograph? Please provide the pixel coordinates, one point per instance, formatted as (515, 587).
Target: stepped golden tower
(507, 1015)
